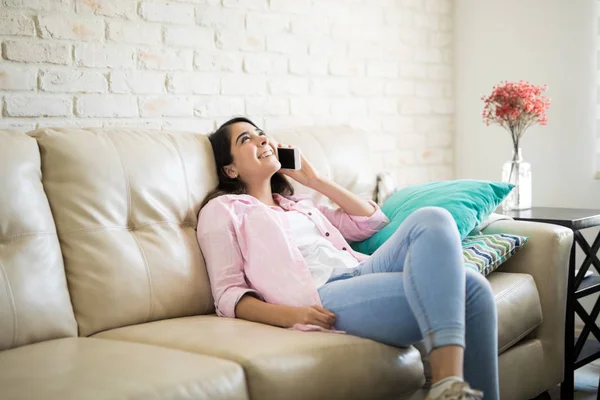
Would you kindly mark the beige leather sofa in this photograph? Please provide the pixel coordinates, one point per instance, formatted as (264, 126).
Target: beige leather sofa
(104, 294)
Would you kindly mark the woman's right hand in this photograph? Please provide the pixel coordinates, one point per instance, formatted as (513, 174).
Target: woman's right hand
(314, 315)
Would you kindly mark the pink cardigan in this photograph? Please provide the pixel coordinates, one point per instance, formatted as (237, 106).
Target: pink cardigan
(248, 248)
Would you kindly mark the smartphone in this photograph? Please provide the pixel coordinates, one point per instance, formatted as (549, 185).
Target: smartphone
(289, 157)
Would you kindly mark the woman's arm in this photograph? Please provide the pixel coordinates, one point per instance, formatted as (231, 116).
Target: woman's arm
(348, 201)
(252, 309)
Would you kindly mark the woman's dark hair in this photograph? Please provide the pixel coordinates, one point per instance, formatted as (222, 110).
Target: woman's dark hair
(221, 145)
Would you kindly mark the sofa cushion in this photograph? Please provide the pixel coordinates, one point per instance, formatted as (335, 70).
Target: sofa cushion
(34, 300)
(125, 204)
(286, 364)
(518, 304)
(84, 368)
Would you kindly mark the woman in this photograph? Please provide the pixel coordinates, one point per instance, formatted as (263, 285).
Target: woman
(284, 261)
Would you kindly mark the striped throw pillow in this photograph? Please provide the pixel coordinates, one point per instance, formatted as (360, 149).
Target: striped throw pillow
(485, 253)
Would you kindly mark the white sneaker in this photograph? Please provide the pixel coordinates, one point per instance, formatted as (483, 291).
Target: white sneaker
(458, 391)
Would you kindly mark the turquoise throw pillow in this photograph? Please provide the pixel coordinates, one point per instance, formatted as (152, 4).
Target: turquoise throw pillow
(469, 201)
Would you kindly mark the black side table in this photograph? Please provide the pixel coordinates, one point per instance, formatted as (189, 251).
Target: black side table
(578, 351)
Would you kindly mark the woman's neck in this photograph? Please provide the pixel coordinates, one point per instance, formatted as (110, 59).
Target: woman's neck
(262, 191)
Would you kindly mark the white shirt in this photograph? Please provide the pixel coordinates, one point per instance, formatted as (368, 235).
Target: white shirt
(320, 255)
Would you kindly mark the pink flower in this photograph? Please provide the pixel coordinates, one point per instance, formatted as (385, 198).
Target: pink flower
(516, 106)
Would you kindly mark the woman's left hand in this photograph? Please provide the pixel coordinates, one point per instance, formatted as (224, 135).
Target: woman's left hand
(307, 175)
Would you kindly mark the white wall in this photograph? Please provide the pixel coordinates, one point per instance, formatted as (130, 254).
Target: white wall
(541, 41)
(384, 65)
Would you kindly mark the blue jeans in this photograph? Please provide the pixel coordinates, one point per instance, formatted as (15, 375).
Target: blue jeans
(415, 287)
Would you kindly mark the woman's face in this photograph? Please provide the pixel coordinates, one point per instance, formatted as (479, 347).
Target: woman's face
(254, 156)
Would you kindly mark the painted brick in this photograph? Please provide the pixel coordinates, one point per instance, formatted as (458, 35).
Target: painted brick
(37, 106)
(329, 86)
(15, 77)
(243, 85)
(327, 47)
(30, 51)
(220, 18)
(209, 61)
(382, 69)
(134, 32)
(58, 26)
(310, 106)
(268, 105)
(218, 106)
(137, 82)
(366, 86)
(166, 106)
(309, 65)
(233, 40)
(104, 55)
(196, 37)
(39, 5)
(188, 125)
(72, 81)
(14, 23)
(102, 105)
(110, 8)
(193, 83)
(174, 13)
(311, 25)
(265, 64)
(347, 67)
(165, 59)
(291, 6)
(246, 4)
(267, 24)
(289, 85)
(349, 106)
(287, 44)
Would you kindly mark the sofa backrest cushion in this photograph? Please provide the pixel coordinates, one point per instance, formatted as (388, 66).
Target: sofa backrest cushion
(125, 204)
(34, 300)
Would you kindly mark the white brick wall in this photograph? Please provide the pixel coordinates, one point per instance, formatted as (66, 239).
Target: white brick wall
(384, 66)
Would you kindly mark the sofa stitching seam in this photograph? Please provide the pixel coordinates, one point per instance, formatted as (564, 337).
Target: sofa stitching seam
(185, 180)
(6, 239)
(132, 231)
(128, 228)
(511, 289)
(13, 305)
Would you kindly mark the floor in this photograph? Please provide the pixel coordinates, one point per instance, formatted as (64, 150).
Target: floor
(586, 383)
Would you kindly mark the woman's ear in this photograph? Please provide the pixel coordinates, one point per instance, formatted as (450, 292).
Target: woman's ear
(230, 171)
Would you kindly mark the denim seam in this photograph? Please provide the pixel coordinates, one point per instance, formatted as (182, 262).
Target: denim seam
(418, 297)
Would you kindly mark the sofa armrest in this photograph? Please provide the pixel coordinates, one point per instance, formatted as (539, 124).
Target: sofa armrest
(545, 257)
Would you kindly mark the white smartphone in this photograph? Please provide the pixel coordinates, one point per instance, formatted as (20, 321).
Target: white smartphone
(289, 157)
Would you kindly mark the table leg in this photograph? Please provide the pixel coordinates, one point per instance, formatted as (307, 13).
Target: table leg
(568, 386)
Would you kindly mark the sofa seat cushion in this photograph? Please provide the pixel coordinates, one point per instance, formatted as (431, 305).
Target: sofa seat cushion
(286, 364)
(518, 305)
(84, 368)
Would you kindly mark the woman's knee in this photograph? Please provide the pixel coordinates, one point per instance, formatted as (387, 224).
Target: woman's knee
(434, 219)
(479, 291)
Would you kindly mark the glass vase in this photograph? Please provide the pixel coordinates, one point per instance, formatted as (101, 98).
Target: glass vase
(517, 172)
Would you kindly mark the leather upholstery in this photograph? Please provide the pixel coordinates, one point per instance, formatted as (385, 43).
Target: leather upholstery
(287, 364)
(518, 306)
(84, 368)
(522, 371)
(125, 205)
(34, 300)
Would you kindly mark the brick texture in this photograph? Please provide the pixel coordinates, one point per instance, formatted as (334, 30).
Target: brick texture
(384, 66)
